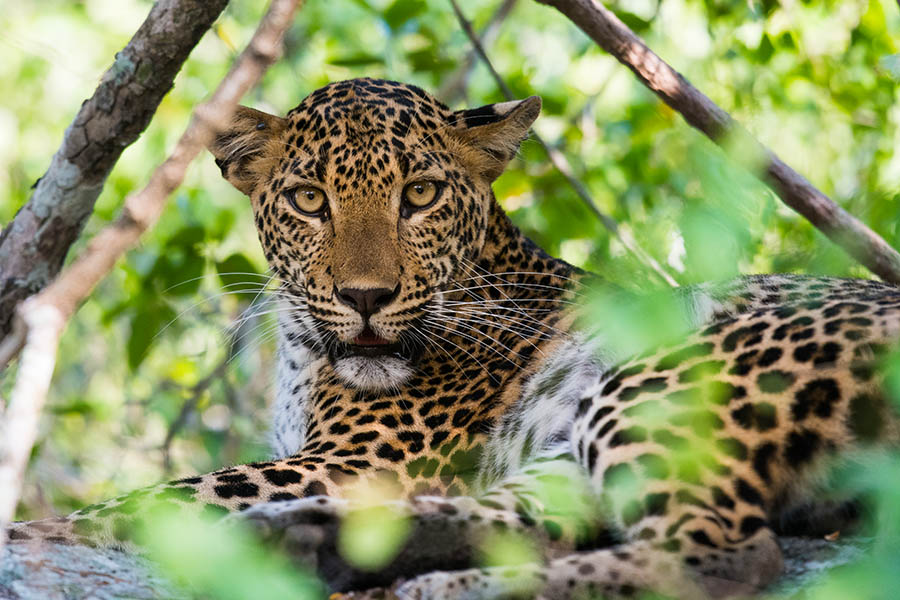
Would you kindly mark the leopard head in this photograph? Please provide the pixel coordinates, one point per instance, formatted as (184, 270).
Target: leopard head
(369, 198)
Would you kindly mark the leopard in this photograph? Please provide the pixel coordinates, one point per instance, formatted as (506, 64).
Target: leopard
(429, 348)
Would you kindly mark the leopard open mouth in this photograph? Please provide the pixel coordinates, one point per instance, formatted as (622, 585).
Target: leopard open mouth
(370, 344)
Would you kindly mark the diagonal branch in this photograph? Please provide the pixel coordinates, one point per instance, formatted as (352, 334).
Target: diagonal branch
(34, 245)
(564, 167)
(455, 85)
(842, 228)
(43, 317)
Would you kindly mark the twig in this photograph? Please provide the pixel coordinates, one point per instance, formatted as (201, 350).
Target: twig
(699, 111)
(564, 167)
(196, 392)
(189, 406)
(455, 86)
(34, 245)
(45, 314)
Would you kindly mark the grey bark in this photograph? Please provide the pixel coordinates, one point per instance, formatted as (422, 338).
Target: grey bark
(56, 572)
(842, 228)
(34, 245)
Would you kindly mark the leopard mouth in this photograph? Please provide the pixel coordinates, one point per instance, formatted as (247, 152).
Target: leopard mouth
(371, 345)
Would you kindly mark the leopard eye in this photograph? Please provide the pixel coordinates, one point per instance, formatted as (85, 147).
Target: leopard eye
(420, 194)
(306, 200)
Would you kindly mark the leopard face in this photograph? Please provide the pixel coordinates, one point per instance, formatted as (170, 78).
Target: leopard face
(370, 199)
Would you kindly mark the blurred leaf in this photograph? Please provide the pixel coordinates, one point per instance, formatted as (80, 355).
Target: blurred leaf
(237, 276)
(145, 325)
(224, 563)
(891, 64)
(358, 59)
(371, 537)
(401, 11)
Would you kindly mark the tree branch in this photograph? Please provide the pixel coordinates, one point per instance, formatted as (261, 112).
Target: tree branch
(454, 87)
(562, 164)
(842, 228)
(34, 245)
(45, 314)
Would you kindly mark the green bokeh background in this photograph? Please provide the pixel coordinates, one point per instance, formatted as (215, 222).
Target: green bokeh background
(817, 82)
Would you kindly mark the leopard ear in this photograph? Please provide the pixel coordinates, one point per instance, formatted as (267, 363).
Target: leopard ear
(241, 148)
(496, 130)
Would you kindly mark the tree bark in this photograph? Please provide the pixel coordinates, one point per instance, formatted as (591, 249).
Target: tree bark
(57, 572)
(842, 228)
(34, 245)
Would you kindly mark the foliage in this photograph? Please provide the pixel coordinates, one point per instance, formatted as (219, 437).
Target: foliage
(814, 81)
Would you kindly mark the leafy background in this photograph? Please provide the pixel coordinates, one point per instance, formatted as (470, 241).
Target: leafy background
(146, 387)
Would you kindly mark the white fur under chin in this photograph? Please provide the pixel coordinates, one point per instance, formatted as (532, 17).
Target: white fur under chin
(373, 373)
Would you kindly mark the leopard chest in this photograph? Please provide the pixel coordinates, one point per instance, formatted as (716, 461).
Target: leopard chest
(427, 437)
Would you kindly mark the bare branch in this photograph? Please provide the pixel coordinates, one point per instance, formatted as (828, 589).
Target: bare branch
(454, 88)
(34, 245)
(564, 167)
(45, 314)
(699, 111)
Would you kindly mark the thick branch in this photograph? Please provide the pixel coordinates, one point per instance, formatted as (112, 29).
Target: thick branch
(841, 227)
(562, 163)
(45, 314)
(34, 245)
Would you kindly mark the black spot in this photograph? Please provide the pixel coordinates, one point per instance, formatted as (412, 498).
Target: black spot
(281, 497)
(747, 492)
(817, 396)
(282, 477)
(721, 498)
(750, 525)
(241, 490)
(729, 344)
(699, 536)
(761, 458)
(607, 427)
(627, 436)
(363, 437)
(769, 357)
(653, 384)
(801, 447)
(805, 352)
(315, 488)
(390, 453)
(599, 414)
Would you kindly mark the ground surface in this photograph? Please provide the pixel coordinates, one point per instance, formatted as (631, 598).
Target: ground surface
(76, 573)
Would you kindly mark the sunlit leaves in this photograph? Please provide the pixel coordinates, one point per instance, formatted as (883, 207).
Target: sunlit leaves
(225, 563)
(508, 548)
(376, 529)
(370, 537)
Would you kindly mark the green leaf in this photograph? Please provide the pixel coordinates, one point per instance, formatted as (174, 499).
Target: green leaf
(236, 274)
(402, 11)
(359, 59)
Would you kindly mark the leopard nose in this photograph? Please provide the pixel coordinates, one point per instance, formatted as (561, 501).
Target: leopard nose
(366, 302)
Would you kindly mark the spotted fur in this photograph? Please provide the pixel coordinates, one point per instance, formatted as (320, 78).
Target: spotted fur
(432, 348)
